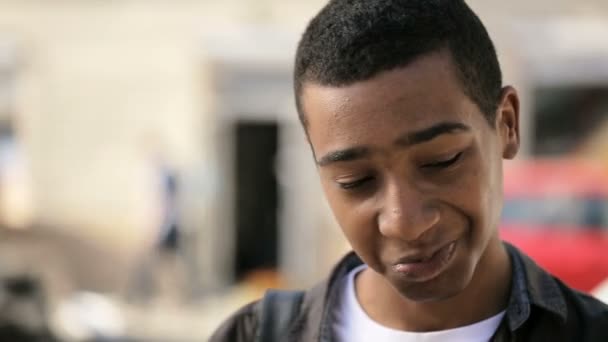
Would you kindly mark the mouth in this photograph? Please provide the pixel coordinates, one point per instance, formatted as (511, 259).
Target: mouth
(424, 267)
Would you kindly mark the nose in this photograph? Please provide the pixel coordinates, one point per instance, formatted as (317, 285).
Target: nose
(405, 213)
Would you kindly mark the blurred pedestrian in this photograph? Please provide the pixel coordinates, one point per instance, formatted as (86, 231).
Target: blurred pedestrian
(160, 271)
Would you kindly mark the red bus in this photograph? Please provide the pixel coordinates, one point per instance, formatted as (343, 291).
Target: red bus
(556, 211)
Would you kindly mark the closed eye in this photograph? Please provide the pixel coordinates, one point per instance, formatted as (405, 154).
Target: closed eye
(354, 184)
(442, 164)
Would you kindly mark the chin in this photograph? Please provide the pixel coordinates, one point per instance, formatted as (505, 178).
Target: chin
(443, 287)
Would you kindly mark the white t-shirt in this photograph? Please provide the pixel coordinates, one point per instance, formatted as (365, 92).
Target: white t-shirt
(352, 324)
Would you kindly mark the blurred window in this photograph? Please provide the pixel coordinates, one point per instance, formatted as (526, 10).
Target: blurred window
(585, 213)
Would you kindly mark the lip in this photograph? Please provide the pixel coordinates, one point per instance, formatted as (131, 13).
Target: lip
(425, 266)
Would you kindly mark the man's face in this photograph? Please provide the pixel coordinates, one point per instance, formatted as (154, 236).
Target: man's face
(413, 173)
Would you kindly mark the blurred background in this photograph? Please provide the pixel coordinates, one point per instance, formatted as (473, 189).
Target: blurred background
(154, 177)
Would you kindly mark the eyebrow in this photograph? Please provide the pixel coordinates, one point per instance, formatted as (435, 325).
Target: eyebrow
(409, 139)
(431, 133)
(345, 155)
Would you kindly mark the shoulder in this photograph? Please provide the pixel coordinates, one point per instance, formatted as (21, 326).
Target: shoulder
(591, 308)
(279, 312)
(590, 313)
(240, 326)
(584, 304)
(303, 321)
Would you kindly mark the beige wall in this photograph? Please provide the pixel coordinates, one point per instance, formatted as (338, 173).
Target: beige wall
(102, 84)
(99, 81)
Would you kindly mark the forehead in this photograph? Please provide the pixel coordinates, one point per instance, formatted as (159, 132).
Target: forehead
(424, 93)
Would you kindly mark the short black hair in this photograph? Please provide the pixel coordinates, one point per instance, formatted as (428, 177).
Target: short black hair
(353, 40)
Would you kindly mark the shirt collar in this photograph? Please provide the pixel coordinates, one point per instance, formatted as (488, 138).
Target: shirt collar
(531, 286)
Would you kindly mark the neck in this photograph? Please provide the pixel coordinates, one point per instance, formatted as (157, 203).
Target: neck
(485, 296)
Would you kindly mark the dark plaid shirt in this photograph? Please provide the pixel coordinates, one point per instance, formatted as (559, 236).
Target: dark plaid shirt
(541, 308)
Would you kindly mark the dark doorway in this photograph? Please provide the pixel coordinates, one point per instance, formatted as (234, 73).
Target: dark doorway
(565, 116)
(256, 197)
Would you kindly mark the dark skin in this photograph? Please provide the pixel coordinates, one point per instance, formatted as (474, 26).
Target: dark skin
(410, 166)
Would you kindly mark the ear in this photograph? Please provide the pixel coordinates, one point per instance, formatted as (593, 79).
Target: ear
(507, 122)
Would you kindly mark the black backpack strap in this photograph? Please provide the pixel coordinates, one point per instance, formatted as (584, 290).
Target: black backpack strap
(278, 310)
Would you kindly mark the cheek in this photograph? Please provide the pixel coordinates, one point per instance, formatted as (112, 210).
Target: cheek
(495, 196)
(472, 195)
(483, 193)
(356, 219)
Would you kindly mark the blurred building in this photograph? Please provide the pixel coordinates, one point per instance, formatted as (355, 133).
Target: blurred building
(100, 86)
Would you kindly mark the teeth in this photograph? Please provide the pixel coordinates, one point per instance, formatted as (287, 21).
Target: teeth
(424, 259)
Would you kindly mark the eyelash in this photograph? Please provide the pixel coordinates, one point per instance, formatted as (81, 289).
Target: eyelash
(356, 184)
(435, 165)
(443, 163)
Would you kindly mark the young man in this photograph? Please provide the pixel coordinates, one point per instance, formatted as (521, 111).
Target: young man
(403, 105)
